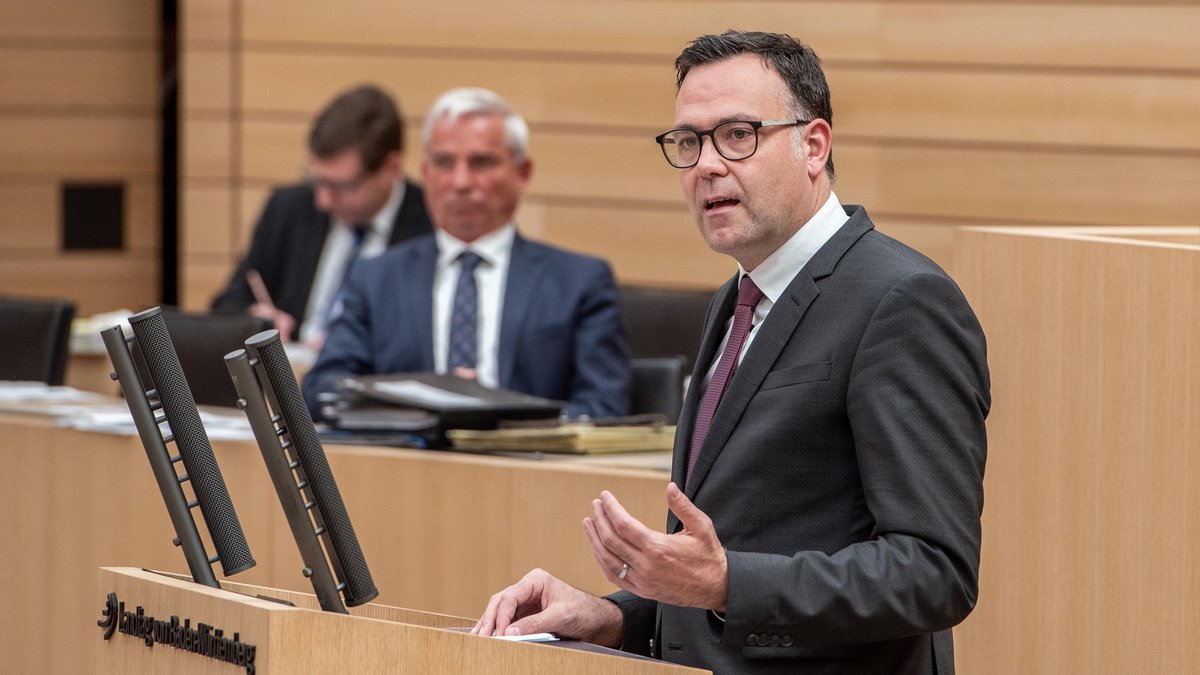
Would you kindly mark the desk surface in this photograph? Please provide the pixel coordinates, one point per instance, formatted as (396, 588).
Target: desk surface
(440, 530)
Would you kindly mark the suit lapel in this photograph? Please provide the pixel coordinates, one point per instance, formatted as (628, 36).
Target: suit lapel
(307, 258)
(410, 220)
(420, 266)
(773, 335)
(525, 268)
(714, 329)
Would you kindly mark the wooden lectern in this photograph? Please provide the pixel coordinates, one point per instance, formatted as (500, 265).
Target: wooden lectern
(1091, 543)
(159, 623)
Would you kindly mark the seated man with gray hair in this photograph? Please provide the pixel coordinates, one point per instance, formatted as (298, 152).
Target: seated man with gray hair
(475, 298)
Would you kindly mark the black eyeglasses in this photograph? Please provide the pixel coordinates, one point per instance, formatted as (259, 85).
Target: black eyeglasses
(735, 141)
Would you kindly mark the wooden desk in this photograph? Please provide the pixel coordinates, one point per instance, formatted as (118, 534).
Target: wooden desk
(89, 371)
(441, 531)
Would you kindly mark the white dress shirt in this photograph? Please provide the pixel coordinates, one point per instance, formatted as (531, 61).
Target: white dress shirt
(773, 274)
(331, 267)
(495, 250)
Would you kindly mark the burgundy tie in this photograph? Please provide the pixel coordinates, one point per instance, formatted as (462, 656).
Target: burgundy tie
(748, 297)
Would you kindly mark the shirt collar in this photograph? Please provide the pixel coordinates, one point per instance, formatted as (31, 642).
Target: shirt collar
(490, 247)
(773, 274)
(383, 221)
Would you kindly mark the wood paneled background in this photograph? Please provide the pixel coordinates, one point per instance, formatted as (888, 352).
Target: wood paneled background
(79, 96)
(945, 113)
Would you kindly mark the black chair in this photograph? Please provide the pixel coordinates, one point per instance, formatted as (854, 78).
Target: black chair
(665, 322)
(658, 386)
(34, 338)
(201, 342)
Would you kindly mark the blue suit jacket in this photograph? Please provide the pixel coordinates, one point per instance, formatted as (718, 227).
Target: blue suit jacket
(561, 333)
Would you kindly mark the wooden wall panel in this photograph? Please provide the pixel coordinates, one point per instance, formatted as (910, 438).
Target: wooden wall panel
(208, 24)
(948, 112)
(989, 86)
(204, 279)
(566, 92)
(80, 147)
(143, 231)
(207, 210)
(209, 148)
(209, 85)
(1143, 112)
(96, 282)
(79, 96)
(609, 231)
(1005, 184)
(1015, 186)
(30, 210)
(27, 212)
(900, 101)
(62, 81)
(68, 21)
(1116, 35)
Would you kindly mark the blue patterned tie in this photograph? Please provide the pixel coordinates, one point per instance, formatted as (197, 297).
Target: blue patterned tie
(334, 308)
(464, 318)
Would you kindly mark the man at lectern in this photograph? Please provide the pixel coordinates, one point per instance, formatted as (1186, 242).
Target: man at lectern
(827, 482)
(475, 298)
(354, 204)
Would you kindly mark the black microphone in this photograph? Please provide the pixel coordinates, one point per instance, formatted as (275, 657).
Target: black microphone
(267, 373)
(188, 431)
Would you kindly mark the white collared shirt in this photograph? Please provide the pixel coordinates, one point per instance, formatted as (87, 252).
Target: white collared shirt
(331, 267)
(774, 273)
(495, 249)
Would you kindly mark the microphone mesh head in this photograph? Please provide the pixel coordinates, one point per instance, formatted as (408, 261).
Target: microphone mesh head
(360, 588)
(192, 441)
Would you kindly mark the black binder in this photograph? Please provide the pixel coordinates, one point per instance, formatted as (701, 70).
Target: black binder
(427, 404)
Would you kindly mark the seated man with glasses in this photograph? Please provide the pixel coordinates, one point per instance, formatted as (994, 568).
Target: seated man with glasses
(354, 204)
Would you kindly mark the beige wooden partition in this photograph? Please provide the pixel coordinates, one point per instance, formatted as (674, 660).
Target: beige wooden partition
(441, 531)
(79, 90)
(947, 113)
(1091, 548)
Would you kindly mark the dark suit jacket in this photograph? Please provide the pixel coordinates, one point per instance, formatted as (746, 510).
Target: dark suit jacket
(287, 245)
(843, 472)
(561, 334)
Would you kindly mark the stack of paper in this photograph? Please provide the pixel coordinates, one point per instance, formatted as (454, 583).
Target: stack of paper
(579, 438)
(85, 331)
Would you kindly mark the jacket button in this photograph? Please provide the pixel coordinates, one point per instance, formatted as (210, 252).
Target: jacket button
(774, 640)
(786, 641)
(752, 640)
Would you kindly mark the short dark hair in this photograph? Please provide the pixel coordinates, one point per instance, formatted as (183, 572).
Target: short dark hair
(796, 63)
(364, 118)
